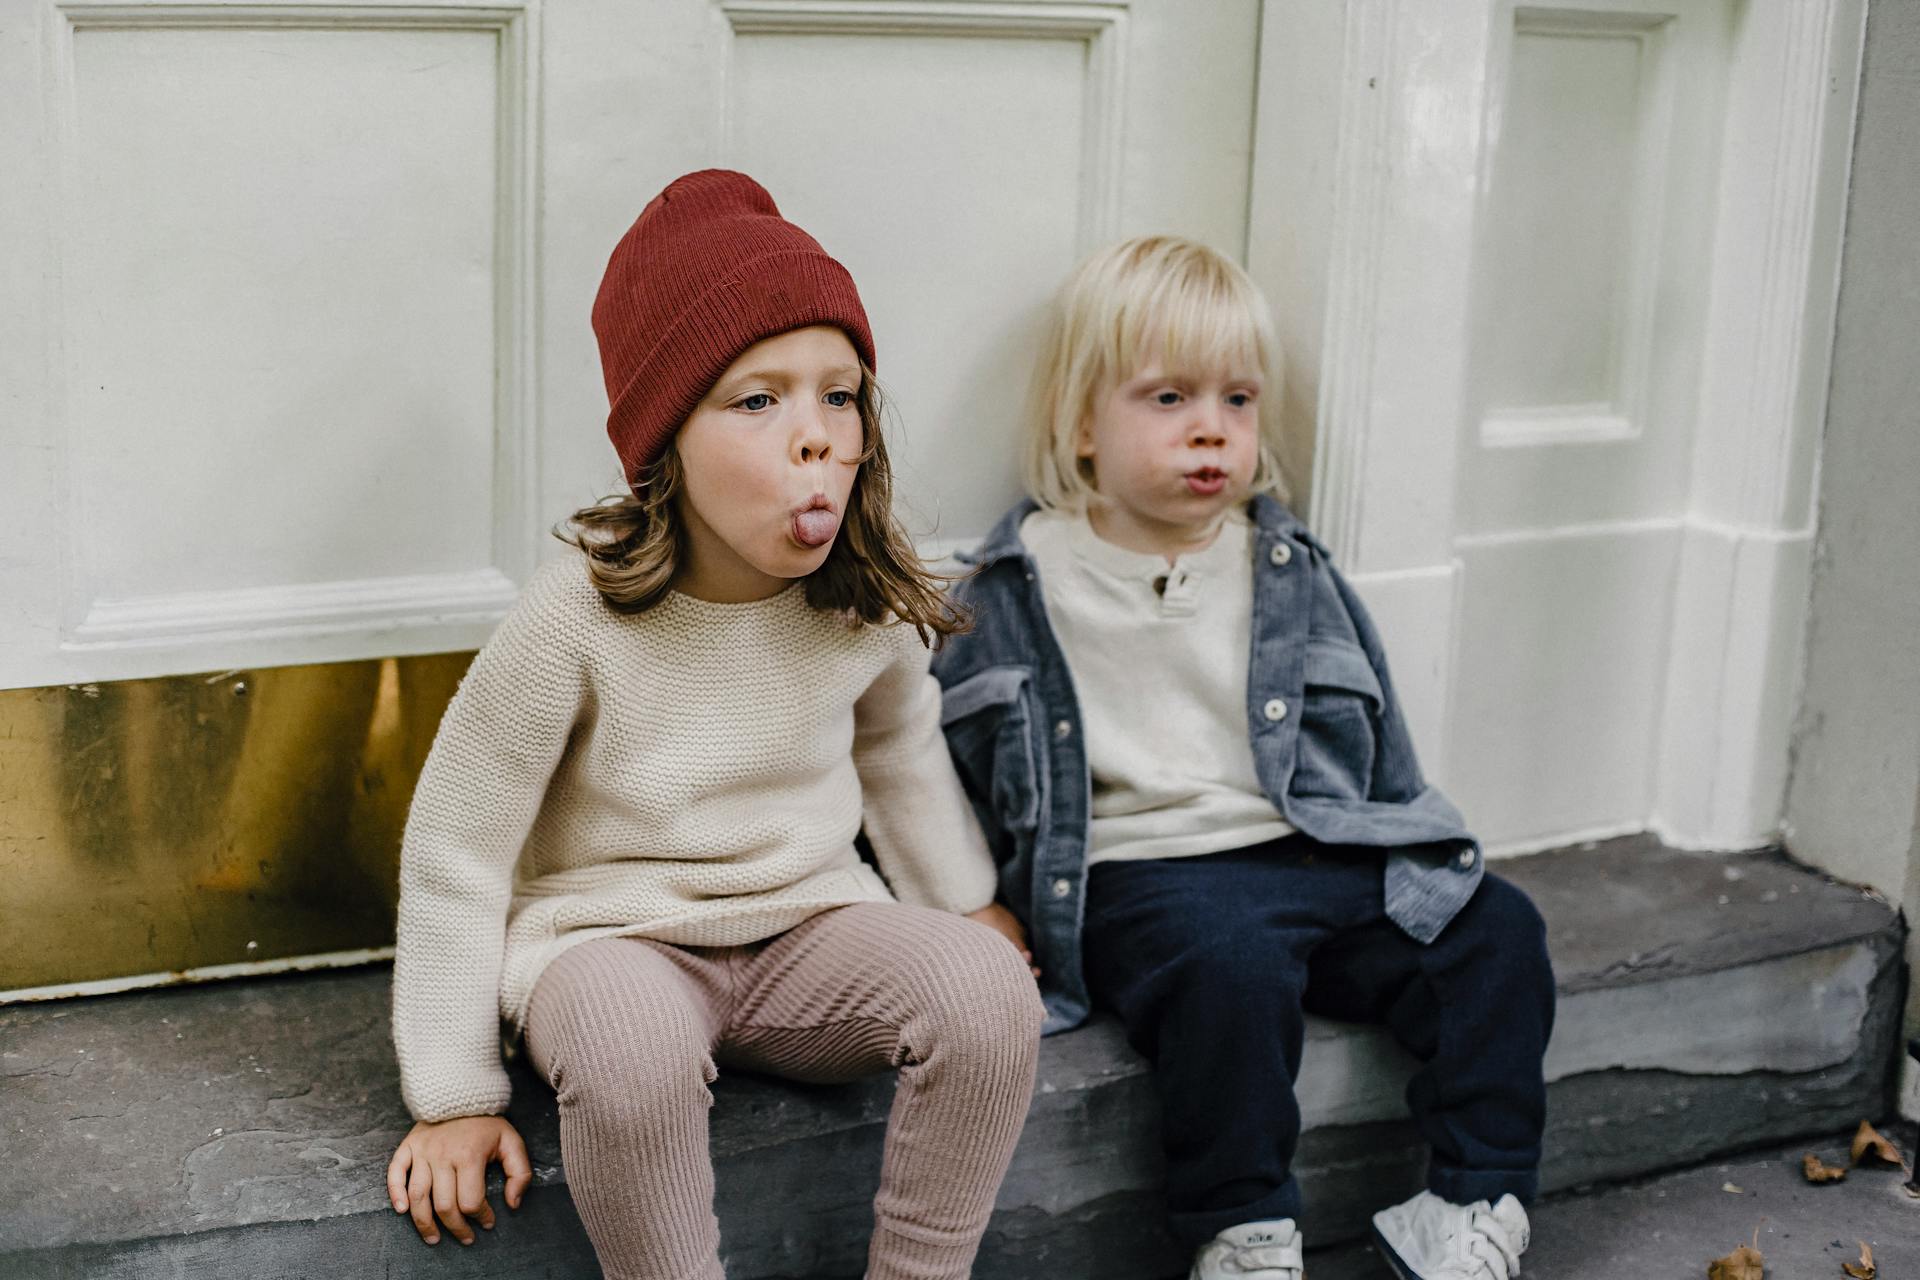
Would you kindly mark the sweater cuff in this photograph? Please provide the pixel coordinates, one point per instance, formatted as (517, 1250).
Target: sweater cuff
(456, 1094)
(964, 882)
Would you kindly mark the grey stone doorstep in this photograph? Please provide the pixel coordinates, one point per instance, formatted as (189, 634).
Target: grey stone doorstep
(1708, 1004)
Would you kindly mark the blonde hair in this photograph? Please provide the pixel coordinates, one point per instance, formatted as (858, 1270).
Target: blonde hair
(634, 543)
(1150, 298)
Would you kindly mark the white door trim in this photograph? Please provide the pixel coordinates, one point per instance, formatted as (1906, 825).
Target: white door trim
(1746, 551)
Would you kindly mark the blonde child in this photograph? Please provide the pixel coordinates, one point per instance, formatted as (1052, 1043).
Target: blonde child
(633, 842)
(1175, 720)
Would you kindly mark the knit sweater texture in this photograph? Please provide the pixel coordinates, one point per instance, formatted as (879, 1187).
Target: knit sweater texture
(696, 774)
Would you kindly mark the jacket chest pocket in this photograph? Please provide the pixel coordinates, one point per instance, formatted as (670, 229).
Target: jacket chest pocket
(989, 722)
(1339, 723)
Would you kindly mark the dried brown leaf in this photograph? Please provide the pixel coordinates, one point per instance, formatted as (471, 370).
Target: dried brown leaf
(1863, 1269)
(1868, 1142)
(1744, 1263)
(1817, 1172)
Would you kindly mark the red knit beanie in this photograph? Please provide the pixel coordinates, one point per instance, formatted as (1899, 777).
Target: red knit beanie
(708, 269)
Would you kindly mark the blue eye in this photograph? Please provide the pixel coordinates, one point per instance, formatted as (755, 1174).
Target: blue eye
(755, 402)
(1240, 399)
(1167, 398)
(840, 399)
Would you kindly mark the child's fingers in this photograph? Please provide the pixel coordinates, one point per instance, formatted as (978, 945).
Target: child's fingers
(514, 1163)
(470, 1182)
(446, 1192)
(420, 1201)
(397, 1169)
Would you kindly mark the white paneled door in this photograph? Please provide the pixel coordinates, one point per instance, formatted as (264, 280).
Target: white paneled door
(1590, 278)
(1566, 270)
(295, 362)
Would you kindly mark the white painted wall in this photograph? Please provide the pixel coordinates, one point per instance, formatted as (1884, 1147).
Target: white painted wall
(1857, 740)
(1853, 803)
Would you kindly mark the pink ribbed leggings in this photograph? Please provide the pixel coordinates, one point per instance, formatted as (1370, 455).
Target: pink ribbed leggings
(628, 1032)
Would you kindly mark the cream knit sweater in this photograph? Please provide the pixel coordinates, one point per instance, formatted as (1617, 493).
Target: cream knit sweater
(695, 774)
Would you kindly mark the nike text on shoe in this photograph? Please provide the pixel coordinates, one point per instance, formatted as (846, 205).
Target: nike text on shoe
(1428, 1238)
(1252, 1251)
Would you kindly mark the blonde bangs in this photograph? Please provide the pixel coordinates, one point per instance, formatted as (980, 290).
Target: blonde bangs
(1151, 300)
(1192, 320)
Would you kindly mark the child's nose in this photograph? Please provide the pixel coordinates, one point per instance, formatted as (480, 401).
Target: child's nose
(811, 443)
(1206, 430)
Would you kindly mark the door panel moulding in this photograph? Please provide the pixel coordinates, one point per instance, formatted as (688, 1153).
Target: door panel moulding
(109, 635)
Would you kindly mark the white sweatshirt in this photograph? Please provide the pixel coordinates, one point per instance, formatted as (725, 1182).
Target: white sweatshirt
(1159, 655)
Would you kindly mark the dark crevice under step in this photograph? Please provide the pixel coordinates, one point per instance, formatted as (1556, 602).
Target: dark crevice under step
(1709, 1003)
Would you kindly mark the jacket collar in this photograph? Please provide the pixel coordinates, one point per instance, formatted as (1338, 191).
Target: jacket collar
(1003, 540)
(1270, 517)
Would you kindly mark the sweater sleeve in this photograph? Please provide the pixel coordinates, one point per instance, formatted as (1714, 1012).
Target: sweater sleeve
(922, 828)
(477, 798)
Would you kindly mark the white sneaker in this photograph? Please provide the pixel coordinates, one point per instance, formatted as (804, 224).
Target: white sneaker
(1428, 1238)
(1251, 1251)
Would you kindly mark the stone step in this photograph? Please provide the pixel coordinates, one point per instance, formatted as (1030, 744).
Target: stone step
(1708, 1004)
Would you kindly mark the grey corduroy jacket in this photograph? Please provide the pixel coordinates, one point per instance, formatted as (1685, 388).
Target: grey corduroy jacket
(1330, 747)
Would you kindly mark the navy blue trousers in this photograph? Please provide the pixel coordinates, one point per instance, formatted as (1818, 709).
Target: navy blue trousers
(1211, 961)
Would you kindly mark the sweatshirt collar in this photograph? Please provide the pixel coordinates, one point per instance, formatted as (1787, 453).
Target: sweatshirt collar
(1270, 517)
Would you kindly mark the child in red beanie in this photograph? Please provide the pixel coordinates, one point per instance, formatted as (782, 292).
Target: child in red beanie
(633, 842)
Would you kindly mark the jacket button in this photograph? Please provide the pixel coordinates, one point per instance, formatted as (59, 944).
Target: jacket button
(1062, 887)
(1063, 729)
(1465, 859)
(1281, 553)
(1276, 709)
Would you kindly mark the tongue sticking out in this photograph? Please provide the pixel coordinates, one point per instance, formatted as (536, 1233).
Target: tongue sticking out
(815, 528)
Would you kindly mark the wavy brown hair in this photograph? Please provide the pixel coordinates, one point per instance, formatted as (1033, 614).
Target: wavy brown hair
(634, 543)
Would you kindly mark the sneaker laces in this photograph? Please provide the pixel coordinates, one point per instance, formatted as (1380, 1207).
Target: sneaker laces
(1274, 1257)
(1487, 1243)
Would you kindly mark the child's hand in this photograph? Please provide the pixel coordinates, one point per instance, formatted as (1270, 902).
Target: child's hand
(442, 1169)
(1007, 925)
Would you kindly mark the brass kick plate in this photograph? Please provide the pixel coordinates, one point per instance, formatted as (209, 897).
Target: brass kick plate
(149, 827)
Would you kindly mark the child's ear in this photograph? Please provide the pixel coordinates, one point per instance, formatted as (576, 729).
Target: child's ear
(1083, 439)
